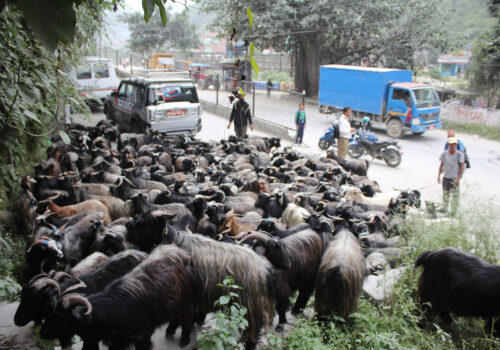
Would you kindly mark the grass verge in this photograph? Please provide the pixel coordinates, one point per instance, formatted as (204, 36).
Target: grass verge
(489, 132)
(395, 324)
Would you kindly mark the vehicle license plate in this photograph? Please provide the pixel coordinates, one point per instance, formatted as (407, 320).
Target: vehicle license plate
(175, 112)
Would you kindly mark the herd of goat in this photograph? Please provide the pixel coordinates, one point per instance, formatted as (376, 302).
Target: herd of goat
(148, 225)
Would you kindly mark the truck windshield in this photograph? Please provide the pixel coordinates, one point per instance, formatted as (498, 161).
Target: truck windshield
(173, 93)
(426, 97)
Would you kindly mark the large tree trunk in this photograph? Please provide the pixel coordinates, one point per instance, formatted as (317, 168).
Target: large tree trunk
(491, 97)
(307, 66)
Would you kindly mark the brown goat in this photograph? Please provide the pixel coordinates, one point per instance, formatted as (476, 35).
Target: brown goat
(70, 210)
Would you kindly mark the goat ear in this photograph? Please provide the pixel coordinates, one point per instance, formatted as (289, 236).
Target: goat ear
(261, 250)
(78, 314)
(282, 199)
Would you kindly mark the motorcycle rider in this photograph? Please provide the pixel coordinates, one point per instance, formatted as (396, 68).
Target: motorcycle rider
(365, 126)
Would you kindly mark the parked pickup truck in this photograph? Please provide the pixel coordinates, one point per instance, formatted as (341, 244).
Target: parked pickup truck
(167, 103)
(387, 96)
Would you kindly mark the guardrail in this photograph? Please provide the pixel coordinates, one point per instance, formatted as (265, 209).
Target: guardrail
(260, 124)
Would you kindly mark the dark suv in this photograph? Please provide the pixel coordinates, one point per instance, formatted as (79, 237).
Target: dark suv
(165, 103)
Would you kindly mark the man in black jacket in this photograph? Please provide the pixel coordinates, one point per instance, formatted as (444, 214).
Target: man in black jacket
(241, 114)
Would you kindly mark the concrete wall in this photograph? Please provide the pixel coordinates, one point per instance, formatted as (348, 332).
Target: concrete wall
(470, 115)
(271, 128)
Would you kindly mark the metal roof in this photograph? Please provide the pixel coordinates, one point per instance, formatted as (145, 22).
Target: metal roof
(371, 69)
(156, 80)
(410, 85)
(96, 59)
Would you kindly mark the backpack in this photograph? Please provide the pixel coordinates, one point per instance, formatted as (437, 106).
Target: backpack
(336, 130)
(466, 156)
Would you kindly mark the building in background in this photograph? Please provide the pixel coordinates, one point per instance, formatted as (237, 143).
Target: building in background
(211, 43)
(453, 66)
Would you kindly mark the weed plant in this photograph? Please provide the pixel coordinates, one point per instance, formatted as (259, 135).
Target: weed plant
(230, 321)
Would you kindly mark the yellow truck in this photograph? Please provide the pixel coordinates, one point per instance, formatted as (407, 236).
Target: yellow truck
(161, 61)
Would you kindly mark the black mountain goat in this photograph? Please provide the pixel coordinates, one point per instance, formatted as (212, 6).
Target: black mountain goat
(459, 283)
(128, 311)
(41, 292)
(304, 250)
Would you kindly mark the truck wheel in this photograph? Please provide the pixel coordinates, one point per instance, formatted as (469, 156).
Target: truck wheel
(392, 157)
(323, 144)
(202, 84)
(395, 128)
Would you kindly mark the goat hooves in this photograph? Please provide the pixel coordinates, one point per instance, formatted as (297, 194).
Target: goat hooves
(296, 312)
(280, 328)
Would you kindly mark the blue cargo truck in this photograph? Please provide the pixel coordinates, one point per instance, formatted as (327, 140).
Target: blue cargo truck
(387, 96)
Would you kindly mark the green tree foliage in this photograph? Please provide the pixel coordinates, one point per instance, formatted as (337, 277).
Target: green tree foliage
(153, 36)
(344, 32)
(34, 87)
(484, 72)
(55, 21)
(466, 19)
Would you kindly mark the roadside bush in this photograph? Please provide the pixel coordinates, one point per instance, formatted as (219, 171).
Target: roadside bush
(230, 321)
(12, 264)
(34, 87)
(435, 73)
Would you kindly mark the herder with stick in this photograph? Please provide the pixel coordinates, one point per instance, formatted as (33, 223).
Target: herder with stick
(241, 115)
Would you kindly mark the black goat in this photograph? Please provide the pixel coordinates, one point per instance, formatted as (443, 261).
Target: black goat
(459, 283)
(159, 290)
(42, 291)
(299, 256)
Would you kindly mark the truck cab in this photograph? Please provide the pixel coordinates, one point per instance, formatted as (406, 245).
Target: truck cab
(412, 106)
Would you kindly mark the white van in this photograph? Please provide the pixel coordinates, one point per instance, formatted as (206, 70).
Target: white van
(97, 78)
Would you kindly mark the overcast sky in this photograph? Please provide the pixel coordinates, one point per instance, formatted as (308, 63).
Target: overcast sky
(118, 32)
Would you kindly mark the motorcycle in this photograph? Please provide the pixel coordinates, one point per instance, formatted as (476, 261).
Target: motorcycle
(327, 140)
(367, 143)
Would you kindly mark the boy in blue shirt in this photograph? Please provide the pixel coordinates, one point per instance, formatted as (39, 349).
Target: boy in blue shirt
(300, 123)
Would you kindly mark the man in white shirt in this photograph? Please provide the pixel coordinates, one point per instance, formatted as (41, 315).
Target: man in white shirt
(345, 131)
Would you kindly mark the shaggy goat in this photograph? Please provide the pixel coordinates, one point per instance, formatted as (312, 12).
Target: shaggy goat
(303, 250)
(42, 291)
(213, 261)
(340, 278)
(157, 291)
(459, 283)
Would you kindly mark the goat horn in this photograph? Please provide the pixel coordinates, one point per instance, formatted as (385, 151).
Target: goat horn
(57, 275)
(73, 299)
(80, 284)
(240, 236)
(261, 236)
(42, 281)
